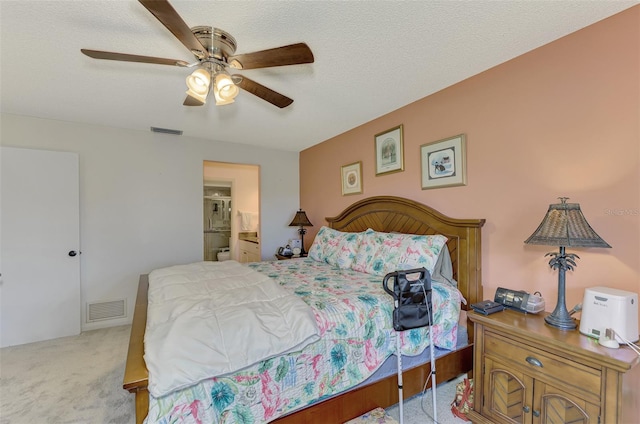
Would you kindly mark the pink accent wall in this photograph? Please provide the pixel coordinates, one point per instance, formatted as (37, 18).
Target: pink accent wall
(561, 120)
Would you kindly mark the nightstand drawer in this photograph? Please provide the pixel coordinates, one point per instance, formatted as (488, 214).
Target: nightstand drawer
(543, 364)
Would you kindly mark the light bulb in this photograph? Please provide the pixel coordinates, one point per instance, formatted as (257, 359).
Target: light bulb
(226, 89)
(198, 82)
(220, 99)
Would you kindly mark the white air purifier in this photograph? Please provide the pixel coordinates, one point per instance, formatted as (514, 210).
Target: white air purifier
(604, 308)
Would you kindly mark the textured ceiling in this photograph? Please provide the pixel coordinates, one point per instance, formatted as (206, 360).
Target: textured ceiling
(371, 57)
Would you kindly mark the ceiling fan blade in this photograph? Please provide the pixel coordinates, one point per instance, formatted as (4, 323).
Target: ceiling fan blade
(97, 54)
(192, 101)
(261, 91)
(293, 54)
(168, 16)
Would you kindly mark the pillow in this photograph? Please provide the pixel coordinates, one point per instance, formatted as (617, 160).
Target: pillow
(316, 251)
(443, 270)
(335, 247)
(382, 253)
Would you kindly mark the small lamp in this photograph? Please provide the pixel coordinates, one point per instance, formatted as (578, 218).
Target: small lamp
(564, 225)
(301, 220)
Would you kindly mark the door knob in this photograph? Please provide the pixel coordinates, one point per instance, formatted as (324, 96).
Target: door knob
(72, 253)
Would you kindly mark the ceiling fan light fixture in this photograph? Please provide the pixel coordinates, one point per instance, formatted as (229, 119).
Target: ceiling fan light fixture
(224, 89)
(220, 101)
(222, 79)
(221, 97)
(214, 50)
(199, 81)
(229, 91)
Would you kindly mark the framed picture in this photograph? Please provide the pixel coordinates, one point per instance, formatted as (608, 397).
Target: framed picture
(444, 163)
(352, 178)
(389, 153)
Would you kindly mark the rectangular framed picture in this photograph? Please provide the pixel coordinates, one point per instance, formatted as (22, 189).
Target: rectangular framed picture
(352, 178)
(444, 163)
(389, 152)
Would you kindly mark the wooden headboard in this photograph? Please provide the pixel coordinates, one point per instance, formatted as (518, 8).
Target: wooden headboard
(395, 214)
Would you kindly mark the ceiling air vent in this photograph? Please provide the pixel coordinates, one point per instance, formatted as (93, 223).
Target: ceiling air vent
(100, 311)
(166, 131)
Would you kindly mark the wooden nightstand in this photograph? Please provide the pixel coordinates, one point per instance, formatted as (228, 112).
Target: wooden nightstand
(528, 372)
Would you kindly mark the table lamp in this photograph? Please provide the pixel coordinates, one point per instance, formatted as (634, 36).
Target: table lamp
(564, 225)
(301, 220)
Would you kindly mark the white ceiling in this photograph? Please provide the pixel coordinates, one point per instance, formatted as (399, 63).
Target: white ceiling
(371, 57)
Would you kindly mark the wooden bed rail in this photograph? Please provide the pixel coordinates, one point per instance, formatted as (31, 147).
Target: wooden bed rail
(136, 376)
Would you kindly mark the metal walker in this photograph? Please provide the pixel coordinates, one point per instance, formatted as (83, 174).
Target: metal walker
(412, 309)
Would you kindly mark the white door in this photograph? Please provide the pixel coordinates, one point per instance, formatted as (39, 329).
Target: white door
(39, 245)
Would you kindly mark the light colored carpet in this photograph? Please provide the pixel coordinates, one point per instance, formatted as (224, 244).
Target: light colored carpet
(74, 380)
(78, 380)
(419, 409)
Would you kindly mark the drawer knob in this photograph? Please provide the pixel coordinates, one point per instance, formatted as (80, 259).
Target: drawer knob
(536, 413)
(526, 409)
(533, 361)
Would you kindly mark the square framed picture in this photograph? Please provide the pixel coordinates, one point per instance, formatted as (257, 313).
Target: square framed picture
(389, 151)
(444, 163)
(352, 178)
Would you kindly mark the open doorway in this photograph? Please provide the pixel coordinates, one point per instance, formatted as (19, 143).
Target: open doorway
(217, 220)
(231, 209)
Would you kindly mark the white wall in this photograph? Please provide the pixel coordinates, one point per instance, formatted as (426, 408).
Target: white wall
(141, 198)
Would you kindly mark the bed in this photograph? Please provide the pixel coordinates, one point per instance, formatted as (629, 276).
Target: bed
(384, 214)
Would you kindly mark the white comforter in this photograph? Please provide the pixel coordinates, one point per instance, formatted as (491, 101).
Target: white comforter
(211, 318)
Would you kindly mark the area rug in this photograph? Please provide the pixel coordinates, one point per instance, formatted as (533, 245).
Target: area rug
(376, 416)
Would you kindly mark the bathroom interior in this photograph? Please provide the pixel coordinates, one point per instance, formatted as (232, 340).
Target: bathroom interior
(217, 225)
(231, 211)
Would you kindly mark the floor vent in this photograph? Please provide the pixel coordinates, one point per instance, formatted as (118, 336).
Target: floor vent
(100, 311)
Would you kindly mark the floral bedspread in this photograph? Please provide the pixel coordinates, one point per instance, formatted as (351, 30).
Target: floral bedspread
(354, 315)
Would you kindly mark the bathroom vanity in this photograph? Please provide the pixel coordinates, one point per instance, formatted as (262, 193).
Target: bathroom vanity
(248, 247)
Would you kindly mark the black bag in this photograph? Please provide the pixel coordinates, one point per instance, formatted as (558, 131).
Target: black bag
(412, 295)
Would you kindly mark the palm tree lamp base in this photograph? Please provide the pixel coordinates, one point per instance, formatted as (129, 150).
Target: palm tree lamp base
(560, 317)
(560, 321)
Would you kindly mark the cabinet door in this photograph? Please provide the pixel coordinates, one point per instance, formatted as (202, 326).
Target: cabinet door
(508, 394)
(249, 252)
(553, 406)
(244, 257)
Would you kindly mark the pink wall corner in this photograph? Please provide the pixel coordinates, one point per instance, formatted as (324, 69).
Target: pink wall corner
(561, 120)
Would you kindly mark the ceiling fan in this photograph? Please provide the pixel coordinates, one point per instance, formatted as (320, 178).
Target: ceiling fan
(214, 50)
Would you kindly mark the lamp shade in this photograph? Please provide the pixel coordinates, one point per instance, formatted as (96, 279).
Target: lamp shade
(221, 100)
(198, 85)
(565, 225)
(199, 81)
(300, 220)
(225, 89)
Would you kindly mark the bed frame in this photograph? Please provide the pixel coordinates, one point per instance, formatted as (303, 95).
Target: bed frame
(382, 213)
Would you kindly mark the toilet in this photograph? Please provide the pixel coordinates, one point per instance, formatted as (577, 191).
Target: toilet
(224, 254)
